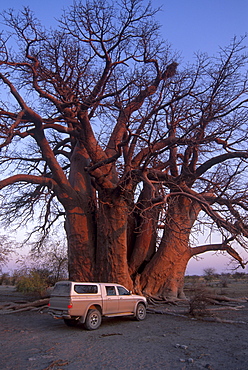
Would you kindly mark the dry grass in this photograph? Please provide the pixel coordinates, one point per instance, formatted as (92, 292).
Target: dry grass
(228, 286)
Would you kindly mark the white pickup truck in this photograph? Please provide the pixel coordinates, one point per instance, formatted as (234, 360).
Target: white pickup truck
(86, 303)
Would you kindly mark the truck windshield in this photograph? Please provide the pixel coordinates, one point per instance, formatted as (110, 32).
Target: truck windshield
(61, 289)
(123, 291)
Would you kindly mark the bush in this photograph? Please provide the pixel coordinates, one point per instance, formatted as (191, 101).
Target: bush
(198, 303)
(239, 275)
(34, 281)
(224, 281)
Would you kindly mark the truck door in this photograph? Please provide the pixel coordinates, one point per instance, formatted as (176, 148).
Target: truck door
(112, 300)
(127, 301)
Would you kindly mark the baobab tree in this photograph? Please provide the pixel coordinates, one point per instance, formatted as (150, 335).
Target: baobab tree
(101, 126)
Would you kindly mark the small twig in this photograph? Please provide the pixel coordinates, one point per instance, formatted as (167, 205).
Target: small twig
(56, 363)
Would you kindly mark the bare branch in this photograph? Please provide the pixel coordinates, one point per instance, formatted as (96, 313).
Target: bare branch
(218, 247)
(28, 179)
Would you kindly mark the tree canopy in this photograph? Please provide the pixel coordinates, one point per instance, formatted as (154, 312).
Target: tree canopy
(100, 126)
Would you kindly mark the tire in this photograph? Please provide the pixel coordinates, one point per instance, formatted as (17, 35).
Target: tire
(71, 322)
(140, 312)
(93, 319)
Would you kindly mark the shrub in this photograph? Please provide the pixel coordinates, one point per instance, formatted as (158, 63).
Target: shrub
(34, 281)
(224, 281)
(239, 275)
(198, 303)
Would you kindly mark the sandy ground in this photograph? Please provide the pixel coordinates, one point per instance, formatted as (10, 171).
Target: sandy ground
(36, 341)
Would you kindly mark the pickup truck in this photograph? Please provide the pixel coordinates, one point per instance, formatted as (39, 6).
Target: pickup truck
(86, 303)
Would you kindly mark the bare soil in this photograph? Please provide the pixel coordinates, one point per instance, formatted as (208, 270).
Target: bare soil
(167, 340)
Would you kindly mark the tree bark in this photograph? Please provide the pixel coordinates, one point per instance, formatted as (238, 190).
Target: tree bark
(81, 245)
(144, 243)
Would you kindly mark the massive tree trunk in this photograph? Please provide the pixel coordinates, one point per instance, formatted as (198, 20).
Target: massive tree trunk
(81, 251)
(112, 238)
(80, 224)
(164, 275)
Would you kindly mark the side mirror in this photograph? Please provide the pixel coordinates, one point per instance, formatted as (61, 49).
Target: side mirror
(130, 292)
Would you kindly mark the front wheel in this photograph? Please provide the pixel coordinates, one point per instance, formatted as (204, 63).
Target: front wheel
(140, 312)
(93, 320)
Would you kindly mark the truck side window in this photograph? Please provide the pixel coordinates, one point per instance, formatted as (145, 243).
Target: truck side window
(110, 290)
(122, 291)
(85, 289)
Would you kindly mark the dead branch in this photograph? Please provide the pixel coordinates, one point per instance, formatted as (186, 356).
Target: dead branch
(200, 318)
(7, 305)
(229, 308)
(15, 307)
(222, 298)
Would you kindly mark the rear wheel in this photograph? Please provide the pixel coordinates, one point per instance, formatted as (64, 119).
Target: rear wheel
(71, 322)
(140, 312)
(93, 319)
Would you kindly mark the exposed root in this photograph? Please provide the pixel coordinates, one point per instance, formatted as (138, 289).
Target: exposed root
(161, 301)
(165, 312)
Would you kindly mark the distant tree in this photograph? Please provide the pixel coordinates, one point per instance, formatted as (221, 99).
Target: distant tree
(209, 273)
(100, 126)
(42, 268)
(6, 249)
(5, 279)
(52, 257)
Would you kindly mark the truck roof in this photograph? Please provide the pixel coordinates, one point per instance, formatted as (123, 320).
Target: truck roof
(86, 283)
